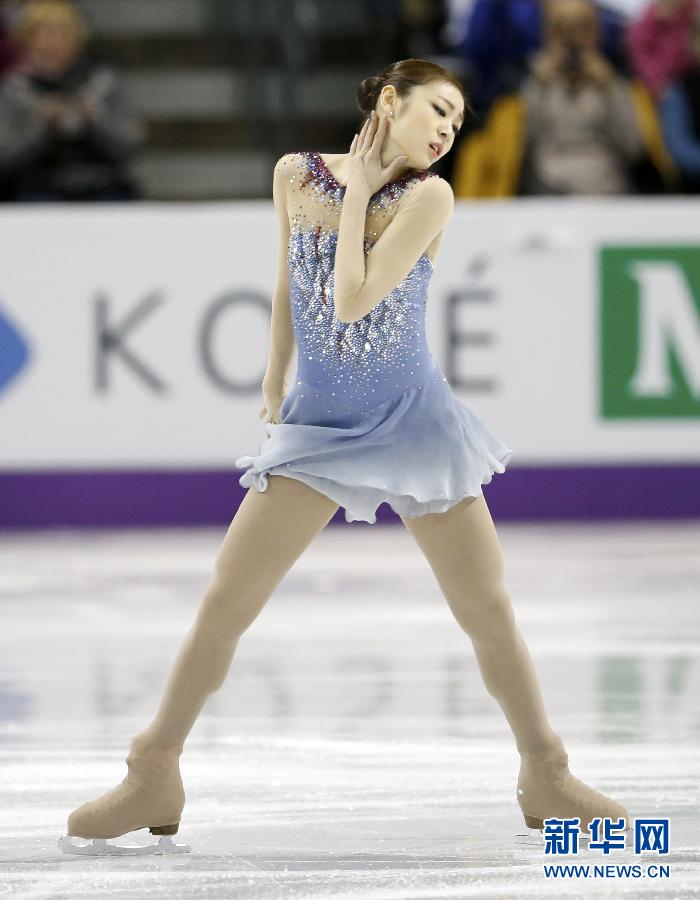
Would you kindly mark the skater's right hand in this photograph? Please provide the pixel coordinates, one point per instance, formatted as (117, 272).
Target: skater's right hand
(274, 391)
(365, 156)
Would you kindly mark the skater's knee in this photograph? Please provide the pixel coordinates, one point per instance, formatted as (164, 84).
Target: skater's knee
(230, 608)
(483, 612)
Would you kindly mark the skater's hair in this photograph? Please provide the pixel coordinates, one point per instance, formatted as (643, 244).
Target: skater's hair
(36, 13)
(404, 75)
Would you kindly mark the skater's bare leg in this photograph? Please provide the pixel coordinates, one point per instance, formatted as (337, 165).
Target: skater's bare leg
(268, 534)
(270, 530)
(463, 550)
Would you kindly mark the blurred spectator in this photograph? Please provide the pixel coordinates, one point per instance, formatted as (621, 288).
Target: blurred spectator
(66, 127)
(399, 29)
(501, 35)
(582, 134)
(658, 42)
(582, 108)
(680, 116)
(9, 52)
(423, 22)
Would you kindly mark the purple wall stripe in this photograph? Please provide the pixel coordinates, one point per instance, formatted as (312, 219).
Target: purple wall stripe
(121, 498)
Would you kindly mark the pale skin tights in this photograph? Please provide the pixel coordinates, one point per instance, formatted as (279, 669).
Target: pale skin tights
(271, 530)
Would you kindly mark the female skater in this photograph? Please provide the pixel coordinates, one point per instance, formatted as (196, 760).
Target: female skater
(369, 419)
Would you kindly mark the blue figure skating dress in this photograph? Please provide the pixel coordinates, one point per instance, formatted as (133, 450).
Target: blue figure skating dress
(370, 417)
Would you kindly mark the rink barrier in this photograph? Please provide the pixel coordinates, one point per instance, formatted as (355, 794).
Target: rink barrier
(125, 498)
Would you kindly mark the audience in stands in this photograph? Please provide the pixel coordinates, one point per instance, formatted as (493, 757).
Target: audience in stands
(582, 134)
(67, 129)
(571, 99)
(680, 115)
(575, 126)
(502, 35)
(9, 52)
(658, 43)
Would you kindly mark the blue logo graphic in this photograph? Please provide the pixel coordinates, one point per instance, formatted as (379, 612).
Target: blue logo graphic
(650, 835)
(14, 352)
(606, 835)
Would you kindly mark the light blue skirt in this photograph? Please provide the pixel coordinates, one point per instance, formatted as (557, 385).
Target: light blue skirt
(421, 451)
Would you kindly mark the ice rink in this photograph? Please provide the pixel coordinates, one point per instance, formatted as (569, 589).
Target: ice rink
(353, 750)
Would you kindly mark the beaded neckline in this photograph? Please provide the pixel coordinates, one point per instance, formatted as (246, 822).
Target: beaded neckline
(397, 181)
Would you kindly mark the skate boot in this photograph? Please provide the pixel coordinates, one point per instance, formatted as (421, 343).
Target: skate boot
(547, 788)
(151, 796)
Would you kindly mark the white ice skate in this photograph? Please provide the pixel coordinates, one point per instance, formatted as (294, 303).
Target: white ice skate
(546, 788)
(151, 796)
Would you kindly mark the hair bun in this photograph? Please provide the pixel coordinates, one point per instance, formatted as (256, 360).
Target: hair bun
(367, 92)
(403, 75)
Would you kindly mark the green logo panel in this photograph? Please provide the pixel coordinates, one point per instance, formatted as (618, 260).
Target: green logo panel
(649, 332)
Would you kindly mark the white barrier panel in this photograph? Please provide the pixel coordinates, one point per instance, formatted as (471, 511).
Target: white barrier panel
(137, 334)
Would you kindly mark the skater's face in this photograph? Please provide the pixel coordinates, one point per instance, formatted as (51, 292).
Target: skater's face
(431, 114)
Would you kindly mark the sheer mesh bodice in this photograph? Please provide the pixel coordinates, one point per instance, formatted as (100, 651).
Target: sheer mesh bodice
(384, 352)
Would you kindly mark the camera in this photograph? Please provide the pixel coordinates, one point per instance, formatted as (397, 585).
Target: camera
(572, 60)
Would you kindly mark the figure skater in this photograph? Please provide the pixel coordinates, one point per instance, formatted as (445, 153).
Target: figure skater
(369, 419)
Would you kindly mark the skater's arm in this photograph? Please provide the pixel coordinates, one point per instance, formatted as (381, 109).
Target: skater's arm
(281, 347)
(360, 282)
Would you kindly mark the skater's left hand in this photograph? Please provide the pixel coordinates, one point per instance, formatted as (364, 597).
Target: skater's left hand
(365, 156)
(274, 391)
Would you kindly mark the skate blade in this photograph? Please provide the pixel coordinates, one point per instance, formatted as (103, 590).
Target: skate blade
(532, 836)
(535, 838)
(102, 847)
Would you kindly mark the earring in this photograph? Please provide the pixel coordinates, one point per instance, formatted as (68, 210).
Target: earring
(391, 114)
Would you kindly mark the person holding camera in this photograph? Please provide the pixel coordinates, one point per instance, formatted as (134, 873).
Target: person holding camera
(680, 114)
(67, 127)
(582, 135)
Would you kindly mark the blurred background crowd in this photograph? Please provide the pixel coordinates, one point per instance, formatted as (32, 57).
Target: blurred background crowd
(195, 99)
